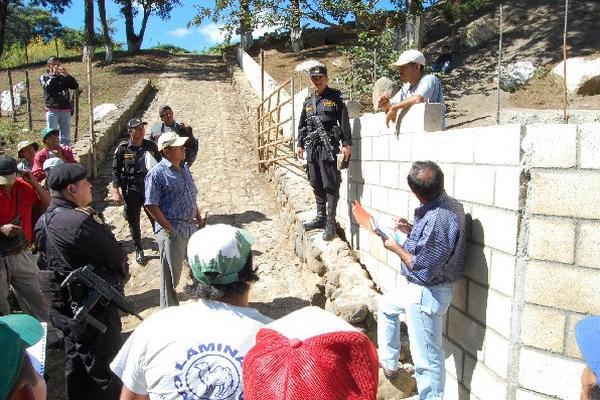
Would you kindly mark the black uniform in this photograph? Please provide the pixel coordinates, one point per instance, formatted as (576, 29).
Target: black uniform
(129, 171)
(71, 237)
(322, 169)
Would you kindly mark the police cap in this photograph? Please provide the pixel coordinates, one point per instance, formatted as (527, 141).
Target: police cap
(317, 70)
(63, 175)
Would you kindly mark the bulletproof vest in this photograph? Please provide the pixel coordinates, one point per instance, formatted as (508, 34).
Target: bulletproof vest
(133, 170)
(326, 110)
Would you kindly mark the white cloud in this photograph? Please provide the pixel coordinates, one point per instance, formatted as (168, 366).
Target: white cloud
(179, 32)
(213, 33)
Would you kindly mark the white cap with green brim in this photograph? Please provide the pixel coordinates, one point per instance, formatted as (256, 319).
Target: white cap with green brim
(217, 253)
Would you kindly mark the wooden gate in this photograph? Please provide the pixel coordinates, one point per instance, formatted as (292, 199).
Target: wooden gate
(272, 146)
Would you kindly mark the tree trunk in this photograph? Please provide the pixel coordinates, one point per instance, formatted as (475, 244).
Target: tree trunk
(127, 11)
(245, 25)
(108, 44)
(414, 30)
(296, 28)
(88, 48)
(3, 15)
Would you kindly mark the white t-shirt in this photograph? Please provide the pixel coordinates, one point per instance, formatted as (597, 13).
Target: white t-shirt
(193, 351)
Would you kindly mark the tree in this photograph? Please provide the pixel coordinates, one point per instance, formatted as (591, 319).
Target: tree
(15, 7)
(238, 16)
(25, 23)
(161, 8)
(88, 47)
(108, 44)
(3, 17)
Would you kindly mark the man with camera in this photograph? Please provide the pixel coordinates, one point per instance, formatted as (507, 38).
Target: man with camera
(323, 123)
(56, 83)
(71, 235)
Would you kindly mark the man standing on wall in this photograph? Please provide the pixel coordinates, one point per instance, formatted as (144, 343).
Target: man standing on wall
(432, 259)
(56, 83)
(171, 201)
(323, 123)
(129, 170)
(418, 87)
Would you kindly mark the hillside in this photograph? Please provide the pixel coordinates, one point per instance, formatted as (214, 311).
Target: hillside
(532, 32)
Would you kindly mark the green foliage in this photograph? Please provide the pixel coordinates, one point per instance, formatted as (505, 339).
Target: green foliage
(217, 48)
(37, 49)
(370, 59)
(25, 23)
(169, 48)
(459, 9)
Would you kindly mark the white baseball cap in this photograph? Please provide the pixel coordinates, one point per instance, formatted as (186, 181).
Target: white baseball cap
(409, 56)
(170, 139)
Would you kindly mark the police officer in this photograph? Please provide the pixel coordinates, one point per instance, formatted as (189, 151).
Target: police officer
(129, 170)
(322, 143)
(71, 235)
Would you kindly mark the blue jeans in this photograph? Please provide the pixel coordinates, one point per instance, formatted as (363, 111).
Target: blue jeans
(60, 120)
(445, 67)
(425, 308)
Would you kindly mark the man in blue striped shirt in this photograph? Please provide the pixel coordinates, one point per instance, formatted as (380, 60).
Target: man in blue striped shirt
(432, 259)
(170, 198)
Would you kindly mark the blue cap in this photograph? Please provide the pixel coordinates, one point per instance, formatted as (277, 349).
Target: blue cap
(587, 333)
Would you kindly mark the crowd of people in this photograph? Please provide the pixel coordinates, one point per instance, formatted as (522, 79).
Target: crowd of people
(216, 346)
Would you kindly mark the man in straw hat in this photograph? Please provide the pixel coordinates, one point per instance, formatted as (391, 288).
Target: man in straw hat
(418, 87)
(195, 351)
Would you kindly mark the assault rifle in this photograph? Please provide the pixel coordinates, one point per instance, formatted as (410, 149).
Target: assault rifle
(316, 133)
(100, 291)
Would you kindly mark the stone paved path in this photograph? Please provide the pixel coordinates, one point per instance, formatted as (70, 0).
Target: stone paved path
(230, 188)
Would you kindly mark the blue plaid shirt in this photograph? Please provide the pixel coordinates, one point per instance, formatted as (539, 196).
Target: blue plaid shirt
(437, 242)
(174, 192)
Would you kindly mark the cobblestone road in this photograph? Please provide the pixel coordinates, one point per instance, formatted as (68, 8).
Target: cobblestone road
(231, 189)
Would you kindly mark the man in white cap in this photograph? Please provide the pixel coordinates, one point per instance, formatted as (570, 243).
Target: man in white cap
(418, 87)
(196, 350)
(170, 198)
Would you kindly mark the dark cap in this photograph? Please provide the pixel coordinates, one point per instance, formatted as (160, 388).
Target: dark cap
(8, 165)
(163, 109)
(63, 175)
(317, 70)
(133, 123)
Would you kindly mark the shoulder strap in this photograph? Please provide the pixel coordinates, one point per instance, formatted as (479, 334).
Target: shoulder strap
(314, 102)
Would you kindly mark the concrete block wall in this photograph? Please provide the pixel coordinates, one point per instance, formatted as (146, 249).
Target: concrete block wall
(561, 277)
(531, 270)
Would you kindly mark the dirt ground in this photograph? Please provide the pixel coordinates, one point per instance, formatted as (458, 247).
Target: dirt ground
(230, 189)
(532, 32)
(109, 84)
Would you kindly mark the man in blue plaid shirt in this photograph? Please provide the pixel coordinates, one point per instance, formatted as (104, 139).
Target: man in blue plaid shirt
(432, 259)
(170, 198)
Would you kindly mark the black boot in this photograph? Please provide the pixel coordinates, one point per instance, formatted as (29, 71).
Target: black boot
(318, 222)
(329, 232)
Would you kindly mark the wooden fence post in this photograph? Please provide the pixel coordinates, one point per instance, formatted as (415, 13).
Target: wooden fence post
(10, 95)
(92, 133)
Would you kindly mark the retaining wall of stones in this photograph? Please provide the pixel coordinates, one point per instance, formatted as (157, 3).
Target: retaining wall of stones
(113, 125)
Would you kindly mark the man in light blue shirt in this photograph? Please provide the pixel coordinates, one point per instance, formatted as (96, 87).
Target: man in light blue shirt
(418, 87)
(170, 198)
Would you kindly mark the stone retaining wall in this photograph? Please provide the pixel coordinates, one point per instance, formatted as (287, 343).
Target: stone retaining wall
(112, 126)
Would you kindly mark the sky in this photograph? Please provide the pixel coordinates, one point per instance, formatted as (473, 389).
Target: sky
(172, 31)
